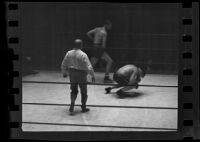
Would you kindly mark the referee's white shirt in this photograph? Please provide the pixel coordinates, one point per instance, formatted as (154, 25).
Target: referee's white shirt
(76, 59)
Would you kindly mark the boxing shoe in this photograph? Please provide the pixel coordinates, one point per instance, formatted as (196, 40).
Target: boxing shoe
(71, 109)
(85, 110)
(107, 80)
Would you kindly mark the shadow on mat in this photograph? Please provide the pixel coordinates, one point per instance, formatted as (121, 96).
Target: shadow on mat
(29, 72)
(128, 95)
(76, 112)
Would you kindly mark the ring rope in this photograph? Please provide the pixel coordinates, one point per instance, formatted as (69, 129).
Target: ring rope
(64, 124)
(102, 84)
(139, 107)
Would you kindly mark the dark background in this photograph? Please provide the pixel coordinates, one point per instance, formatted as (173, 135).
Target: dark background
(141, 33)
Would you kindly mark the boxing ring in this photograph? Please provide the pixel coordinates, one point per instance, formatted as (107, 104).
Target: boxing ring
(46, 100)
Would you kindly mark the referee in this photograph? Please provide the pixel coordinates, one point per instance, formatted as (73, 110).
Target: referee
(76, 64)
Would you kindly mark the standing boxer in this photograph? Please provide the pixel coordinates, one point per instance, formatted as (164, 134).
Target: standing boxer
(99, 36)
(77, 65)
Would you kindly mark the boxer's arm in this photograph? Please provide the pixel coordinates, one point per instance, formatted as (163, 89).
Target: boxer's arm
(89, 67)
(91, 32)
(133, 79)
(64, 67)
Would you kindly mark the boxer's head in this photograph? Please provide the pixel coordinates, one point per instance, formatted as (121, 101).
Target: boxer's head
(108, 25)
(142, 72)
(78, 43)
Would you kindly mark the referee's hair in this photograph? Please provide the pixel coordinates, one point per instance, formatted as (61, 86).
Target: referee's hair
(78, 43)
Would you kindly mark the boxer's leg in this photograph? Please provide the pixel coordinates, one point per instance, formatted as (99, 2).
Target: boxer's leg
(96, 53)
(127, 88)
(74, 87)
(74, 92)
(123, 82)
(109, 61)
(122, 93)
(94, 60)
(83, 88)
(84, 97)
(120, 82)
(133, 86)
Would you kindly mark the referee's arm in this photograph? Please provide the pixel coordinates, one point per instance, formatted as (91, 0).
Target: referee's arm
(64, 66)
(88, 66)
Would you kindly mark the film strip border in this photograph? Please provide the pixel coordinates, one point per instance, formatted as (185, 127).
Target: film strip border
(189, 121)
(188, 76)
(14, 74)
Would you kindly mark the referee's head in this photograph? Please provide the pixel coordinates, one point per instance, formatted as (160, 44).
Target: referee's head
(78, 43)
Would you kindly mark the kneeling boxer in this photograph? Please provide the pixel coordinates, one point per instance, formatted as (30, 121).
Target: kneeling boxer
(127, 77)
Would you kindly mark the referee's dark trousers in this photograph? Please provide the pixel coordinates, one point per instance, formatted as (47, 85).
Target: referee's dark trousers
(78, 78)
